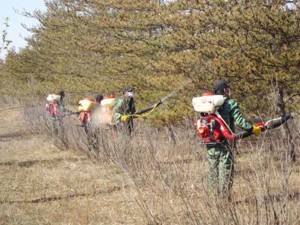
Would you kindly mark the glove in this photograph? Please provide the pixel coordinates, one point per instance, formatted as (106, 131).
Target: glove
(125, 118)
(256, 130)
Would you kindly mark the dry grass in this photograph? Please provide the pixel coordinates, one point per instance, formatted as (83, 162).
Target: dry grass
(157, 176)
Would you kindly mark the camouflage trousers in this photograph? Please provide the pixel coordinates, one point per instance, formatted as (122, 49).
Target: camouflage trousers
(221, 165)
(93, 136)
(124, 127)
(55, 125)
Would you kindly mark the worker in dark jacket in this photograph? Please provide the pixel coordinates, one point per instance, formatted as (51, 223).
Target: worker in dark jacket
(124, 109)
(220, 157)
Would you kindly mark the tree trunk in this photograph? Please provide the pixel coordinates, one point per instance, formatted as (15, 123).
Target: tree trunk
(290, 145)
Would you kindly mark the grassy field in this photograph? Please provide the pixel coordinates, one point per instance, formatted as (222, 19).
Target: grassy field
(156, 177)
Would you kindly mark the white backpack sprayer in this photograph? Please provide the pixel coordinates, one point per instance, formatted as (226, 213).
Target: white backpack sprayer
(51, 105)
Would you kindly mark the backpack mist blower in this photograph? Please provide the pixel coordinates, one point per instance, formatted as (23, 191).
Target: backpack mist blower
(211, 127)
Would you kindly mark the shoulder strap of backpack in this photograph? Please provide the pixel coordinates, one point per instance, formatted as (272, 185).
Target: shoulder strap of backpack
(53, 108)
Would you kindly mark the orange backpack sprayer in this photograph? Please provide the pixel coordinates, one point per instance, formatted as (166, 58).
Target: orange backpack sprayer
(211, 127)
(88, 105)
(85, 107)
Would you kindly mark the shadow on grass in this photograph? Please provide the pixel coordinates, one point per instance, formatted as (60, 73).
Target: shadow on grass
(11, 136)
(30, 163)
(294, 196)
(69, 196)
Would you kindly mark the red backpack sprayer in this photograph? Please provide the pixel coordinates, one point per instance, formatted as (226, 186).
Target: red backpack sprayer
(51, 105)
(211, 127)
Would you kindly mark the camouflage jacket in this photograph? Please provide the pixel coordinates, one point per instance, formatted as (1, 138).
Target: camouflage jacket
(232, 115)
(123, 106)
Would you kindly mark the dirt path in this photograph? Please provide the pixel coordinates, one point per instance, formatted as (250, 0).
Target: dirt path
(41, 184)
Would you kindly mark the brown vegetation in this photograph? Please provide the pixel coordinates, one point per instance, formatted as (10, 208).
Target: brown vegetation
(147, 179)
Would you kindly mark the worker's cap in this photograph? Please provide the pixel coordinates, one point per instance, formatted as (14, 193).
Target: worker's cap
(219, 86)
(62, 94)
(99, 97)
(127, 89)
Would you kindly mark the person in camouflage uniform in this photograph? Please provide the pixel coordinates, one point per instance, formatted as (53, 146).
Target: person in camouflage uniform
(56, 118)
(220, 157)
(123, 110)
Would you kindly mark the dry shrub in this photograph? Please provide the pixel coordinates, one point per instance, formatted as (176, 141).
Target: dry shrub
(34, 117)
(167, 169)
(9, 101)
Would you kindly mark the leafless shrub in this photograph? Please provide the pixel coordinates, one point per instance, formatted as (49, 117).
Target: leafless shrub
(167, 168)
(9, 101)
(34, 117)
